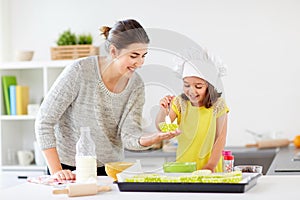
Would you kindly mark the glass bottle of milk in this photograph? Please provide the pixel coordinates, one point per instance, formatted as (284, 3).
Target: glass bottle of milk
(86, 161)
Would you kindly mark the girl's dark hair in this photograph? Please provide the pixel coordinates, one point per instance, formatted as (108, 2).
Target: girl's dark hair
(210, 98)
(125, 33)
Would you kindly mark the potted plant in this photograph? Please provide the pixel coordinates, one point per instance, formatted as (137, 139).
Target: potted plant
(72, 46)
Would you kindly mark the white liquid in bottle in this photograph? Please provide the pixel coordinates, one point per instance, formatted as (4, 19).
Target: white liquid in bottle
(86, 162)
(86, 169)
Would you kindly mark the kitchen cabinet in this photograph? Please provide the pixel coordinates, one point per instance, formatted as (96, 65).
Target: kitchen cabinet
(17, 131)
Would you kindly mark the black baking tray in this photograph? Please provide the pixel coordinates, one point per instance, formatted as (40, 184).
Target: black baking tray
(249, 181)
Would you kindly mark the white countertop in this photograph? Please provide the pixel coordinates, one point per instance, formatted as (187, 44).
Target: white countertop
(267, 187)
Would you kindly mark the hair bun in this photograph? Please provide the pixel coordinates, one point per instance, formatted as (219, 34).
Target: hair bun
(105, 31)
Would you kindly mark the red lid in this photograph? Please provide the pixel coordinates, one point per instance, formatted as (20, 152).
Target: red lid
(229, 157)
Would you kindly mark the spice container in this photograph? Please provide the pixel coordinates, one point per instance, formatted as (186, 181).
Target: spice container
(228, 161)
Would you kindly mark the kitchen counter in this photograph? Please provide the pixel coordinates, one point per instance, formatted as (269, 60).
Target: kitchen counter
(267, 187)
(286, 162)
(254, 156)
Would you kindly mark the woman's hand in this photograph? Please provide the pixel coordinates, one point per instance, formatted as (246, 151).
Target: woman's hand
(167, 135)
(64, 174)
(148, 140)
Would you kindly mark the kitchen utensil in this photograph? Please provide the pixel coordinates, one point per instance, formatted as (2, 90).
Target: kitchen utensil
(256, 135)
(249, 180)
(167, 118)
(113, 168)
(76, 190)
(264, 144)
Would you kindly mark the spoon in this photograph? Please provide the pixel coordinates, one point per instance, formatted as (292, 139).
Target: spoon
(167, 118)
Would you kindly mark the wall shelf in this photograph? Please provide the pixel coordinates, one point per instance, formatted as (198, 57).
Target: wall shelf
(17, 131)
(17, 117)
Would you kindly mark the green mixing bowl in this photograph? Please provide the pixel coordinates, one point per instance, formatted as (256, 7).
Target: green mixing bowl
(179, 167)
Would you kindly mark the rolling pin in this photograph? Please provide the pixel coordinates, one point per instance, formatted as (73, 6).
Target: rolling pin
(264, 144)
(76, 190)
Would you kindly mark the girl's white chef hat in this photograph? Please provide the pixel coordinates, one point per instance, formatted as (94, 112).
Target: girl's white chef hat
(205, 67)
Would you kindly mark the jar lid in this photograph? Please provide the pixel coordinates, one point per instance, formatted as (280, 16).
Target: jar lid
(229, 157)
(226, 152)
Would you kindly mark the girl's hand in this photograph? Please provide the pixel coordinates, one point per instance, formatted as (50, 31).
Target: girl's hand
(211, 168)
(64, 174)
(166, 101)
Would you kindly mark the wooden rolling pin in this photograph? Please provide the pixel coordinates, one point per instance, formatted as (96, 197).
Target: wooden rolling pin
(76, 190)
(264, 144)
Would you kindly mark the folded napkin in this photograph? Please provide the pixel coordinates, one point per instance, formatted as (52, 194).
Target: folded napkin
(48, 180)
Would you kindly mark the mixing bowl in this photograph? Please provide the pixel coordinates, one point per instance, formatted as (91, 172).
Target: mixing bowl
(113, 168)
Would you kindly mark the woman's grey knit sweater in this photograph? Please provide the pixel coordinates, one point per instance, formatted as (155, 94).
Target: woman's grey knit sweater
(79, 98)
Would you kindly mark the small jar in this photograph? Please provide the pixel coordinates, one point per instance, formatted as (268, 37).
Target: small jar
(227, 164)
(228, 161)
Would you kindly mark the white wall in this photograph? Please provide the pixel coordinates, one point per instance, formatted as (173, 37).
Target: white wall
(4, 30)
(258, 40)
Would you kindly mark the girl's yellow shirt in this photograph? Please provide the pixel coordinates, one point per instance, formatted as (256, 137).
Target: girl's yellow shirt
(198, 126)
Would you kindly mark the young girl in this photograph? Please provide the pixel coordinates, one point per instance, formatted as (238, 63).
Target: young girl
(202, 117)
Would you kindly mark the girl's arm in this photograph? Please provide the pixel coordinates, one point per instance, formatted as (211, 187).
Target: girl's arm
(150, 139)
(221, 132)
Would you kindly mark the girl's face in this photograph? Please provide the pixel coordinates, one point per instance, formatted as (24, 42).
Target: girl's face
(131, 58)
(195, 89)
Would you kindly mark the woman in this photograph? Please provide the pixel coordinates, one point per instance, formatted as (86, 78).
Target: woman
(103, 93)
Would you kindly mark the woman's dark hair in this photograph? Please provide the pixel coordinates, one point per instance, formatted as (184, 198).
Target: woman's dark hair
(210, 98)
(125, 33)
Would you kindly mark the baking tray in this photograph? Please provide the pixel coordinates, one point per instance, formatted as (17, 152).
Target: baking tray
(249, 180)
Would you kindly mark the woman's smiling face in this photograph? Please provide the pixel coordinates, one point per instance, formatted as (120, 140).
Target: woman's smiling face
(195, 89)
(131, 58)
